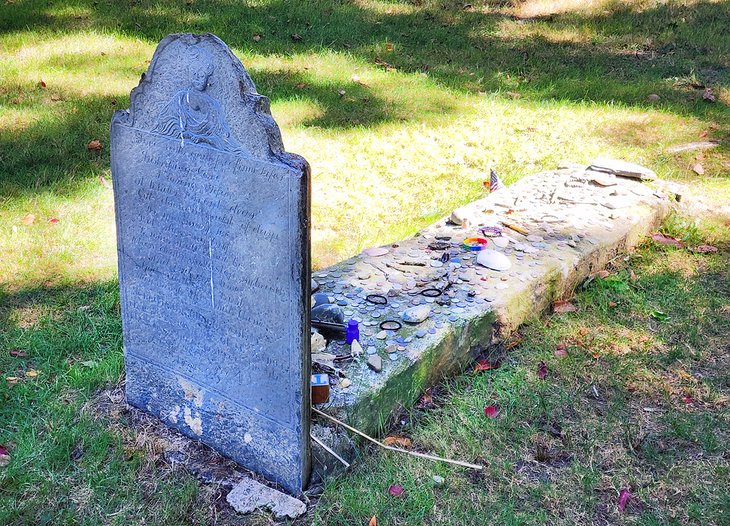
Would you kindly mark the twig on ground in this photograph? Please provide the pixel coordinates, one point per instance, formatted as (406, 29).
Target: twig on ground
(390, 448)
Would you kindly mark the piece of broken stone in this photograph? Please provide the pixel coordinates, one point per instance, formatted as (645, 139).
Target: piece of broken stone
(375, 362)
(328, 313)
(249, 495)
(318, 342)
(344, 383)
(622, 169)
(416, 314)
(495, 260)
(604, 179)
(323, 357)
(356, 349)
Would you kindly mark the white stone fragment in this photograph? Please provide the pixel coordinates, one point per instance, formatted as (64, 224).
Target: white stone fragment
(249, 495)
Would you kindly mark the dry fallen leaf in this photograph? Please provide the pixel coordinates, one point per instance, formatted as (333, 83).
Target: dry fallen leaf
(664, 239)
(17, 353)
(54, 220)
(491, 411)
(624, 497)
(94, 145)
(426, 401)
(42, 83)
(12, 379)
(542, 371)
(31, 373)
(257, 38)
(633, 276)
(483, 365)
(104, 182)
(396, 490)
(398, 441)
(513, 95)
(706, 249)
(560, 351)
(28, 219)
(698, 169)
(373, 521)
(389, 47)
(560, 307)
(708, 95)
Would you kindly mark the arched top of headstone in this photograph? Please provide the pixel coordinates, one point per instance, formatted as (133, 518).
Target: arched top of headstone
(196, 91)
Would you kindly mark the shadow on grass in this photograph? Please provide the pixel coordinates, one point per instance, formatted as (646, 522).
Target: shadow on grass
(616, 56)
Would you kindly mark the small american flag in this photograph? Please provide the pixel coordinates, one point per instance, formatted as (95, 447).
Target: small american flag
(495, 183)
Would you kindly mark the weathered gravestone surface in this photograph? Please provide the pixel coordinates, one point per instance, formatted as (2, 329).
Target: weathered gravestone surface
(214, 269)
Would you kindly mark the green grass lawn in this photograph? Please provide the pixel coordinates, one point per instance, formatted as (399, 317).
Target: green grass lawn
(400, 108)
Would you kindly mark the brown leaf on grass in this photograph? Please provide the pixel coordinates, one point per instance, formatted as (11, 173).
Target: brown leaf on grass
(17, 353)
(4, 456)
(513, 95)
(560, 351)
(708, 95)
(703, 135)
(54, 220)
(612, 304)
(31, 373)
(301, 85)
(561, 306)
(698, 169)
(42, 83)
(398, 441)
(705, 249)
(12, 380)
(491, 411)
(542, 371)
(28, 219)
(633, 276)
(664, 239)
(624, 497)
(389, 47)
(396, 490)
(94, 145)
(373, 521)
(514, 343)
(257, 37)
(483, 365)
(104, 182)
(296, 37)
(426, 401)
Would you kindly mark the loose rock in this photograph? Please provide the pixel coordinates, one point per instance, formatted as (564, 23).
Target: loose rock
(375, 362)
(249, 495)
(416, 314)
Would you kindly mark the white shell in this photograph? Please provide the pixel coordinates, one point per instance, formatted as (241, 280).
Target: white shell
(495, 260)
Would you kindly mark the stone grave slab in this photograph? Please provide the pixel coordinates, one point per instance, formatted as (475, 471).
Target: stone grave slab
(214, 260)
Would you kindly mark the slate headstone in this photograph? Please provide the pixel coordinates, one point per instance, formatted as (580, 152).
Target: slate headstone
(214, 266)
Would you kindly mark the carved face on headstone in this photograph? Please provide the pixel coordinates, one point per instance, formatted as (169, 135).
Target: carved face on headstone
(201, 67)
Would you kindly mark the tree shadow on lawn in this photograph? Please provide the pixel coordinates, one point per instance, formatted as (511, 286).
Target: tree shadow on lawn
(461, 50)
(550, 55)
